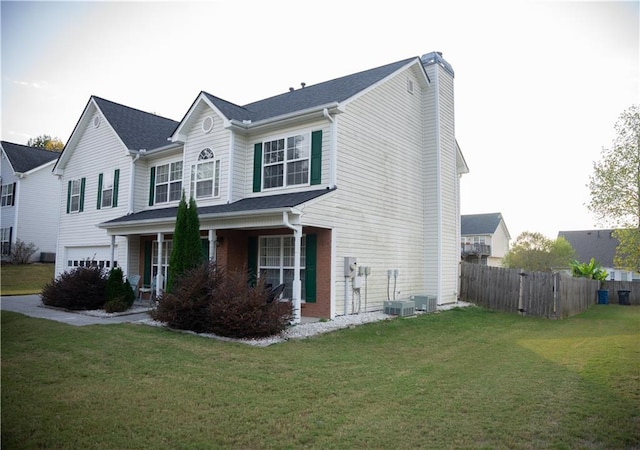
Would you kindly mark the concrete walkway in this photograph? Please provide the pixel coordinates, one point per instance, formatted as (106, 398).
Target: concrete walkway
(31, 305)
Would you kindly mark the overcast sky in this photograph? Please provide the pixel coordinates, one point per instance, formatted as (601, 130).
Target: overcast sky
(539, 84)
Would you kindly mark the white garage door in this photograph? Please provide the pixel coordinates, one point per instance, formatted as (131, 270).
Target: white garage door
(90, 256)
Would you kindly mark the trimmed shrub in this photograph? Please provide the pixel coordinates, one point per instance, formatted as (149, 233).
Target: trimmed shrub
(118, 304)
(186, 307)
(242, 311)
(208, 300)
(118, 290)
(79, 289)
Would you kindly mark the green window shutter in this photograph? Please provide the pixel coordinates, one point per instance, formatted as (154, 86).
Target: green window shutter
(116, 179)
(257, 167)
(146, 280)
(69, 197)
(82, 185)
(13, 197)
(316, 157)
(252, 260)
(205, 248)
(152, 186)
(310, 268)
(99, 204)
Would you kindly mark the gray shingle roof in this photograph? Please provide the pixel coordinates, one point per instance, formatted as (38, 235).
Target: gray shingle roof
(24, 158)
(137, 129)
(247, 204)
(598, 244)
(336, 90)
(475, 224)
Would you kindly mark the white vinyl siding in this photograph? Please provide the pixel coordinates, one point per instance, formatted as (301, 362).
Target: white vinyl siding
(213, 178)
(98, 150)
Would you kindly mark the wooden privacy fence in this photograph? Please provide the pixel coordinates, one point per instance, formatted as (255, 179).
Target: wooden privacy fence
(614, 286)
(541, 294)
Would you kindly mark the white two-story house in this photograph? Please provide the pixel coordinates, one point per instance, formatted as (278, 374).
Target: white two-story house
(30, 196)
(485, 239)
(341, 190)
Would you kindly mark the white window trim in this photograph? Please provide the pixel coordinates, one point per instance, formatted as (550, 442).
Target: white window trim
(170, 181)
(7, 194)
(206, 156)
(281, 266)
(285, 161)
(77, 183)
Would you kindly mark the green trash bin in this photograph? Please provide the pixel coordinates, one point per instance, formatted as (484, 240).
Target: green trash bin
(623, 297)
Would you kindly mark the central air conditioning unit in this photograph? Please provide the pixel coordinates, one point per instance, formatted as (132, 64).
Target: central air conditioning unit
(401, 308)
(426, 303)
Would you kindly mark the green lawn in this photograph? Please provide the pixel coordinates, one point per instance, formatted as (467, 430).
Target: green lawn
(22, 279)
(465, 378)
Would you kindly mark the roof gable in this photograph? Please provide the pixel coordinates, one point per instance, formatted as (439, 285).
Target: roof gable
(137, 129)
(24, 158)
(597, 244)
(474, 224)
(334, 91)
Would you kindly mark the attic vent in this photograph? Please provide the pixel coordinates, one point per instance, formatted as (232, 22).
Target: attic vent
(409, 86)
(96, 121)
(207, 124)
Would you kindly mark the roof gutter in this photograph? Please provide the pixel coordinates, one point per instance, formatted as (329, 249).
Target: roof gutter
(297, 284)
(246, 125)
(172, 220)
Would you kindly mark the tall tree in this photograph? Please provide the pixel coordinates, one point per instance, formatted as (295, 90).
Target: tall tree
(186, 253)
(535, 252)
(615, 188)
(46, 142)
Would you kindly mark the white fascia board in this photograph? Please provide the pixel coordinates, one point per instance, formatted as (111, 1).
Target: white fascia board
(179, 134)
(171, 220)
(75, 136)
(387, 78)
(36, 169)
(4, 154)
(285, 119)
(461, 163)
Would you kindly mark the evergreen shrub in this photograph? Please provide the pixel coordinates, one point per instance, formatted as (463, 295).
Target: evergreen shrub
(82, 288)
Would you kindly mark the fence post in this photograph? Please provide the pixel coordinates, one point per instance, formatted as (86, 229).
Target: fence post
(521, 309)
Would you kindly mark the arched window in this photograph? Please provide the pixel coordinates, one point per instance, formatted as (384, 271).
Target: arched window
(205, 175)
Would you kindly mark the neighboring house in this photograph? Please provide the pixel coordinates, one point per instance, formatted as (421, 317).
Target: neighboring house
(30, 199)
(600, 245)
(307, 188)
(485, 239)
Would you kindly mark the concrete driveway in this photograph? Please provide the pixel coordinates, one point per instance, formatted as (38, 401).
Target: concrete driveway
(31, 305)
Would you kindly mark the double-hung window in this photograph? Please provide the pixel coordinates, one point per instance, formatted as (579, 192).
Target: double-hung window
(276, 262)
(205, 175)
(286, 161)
(5, 241)
(108, 189)
(8, 194)
(75, 195)
(168, 182)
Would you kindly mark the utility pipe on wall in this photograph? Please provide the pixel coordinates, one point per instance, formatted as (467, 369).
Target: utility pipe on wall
(297, 285)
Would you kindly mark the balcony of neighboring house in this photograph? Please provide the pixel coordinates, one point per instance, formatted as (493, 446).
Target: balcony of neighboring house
(475, 252)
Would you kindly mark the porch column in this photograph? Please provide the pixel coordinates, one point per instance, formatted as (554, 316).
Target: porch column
(297, 285)
(159, 276)
(213, 238)
(112, 248)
